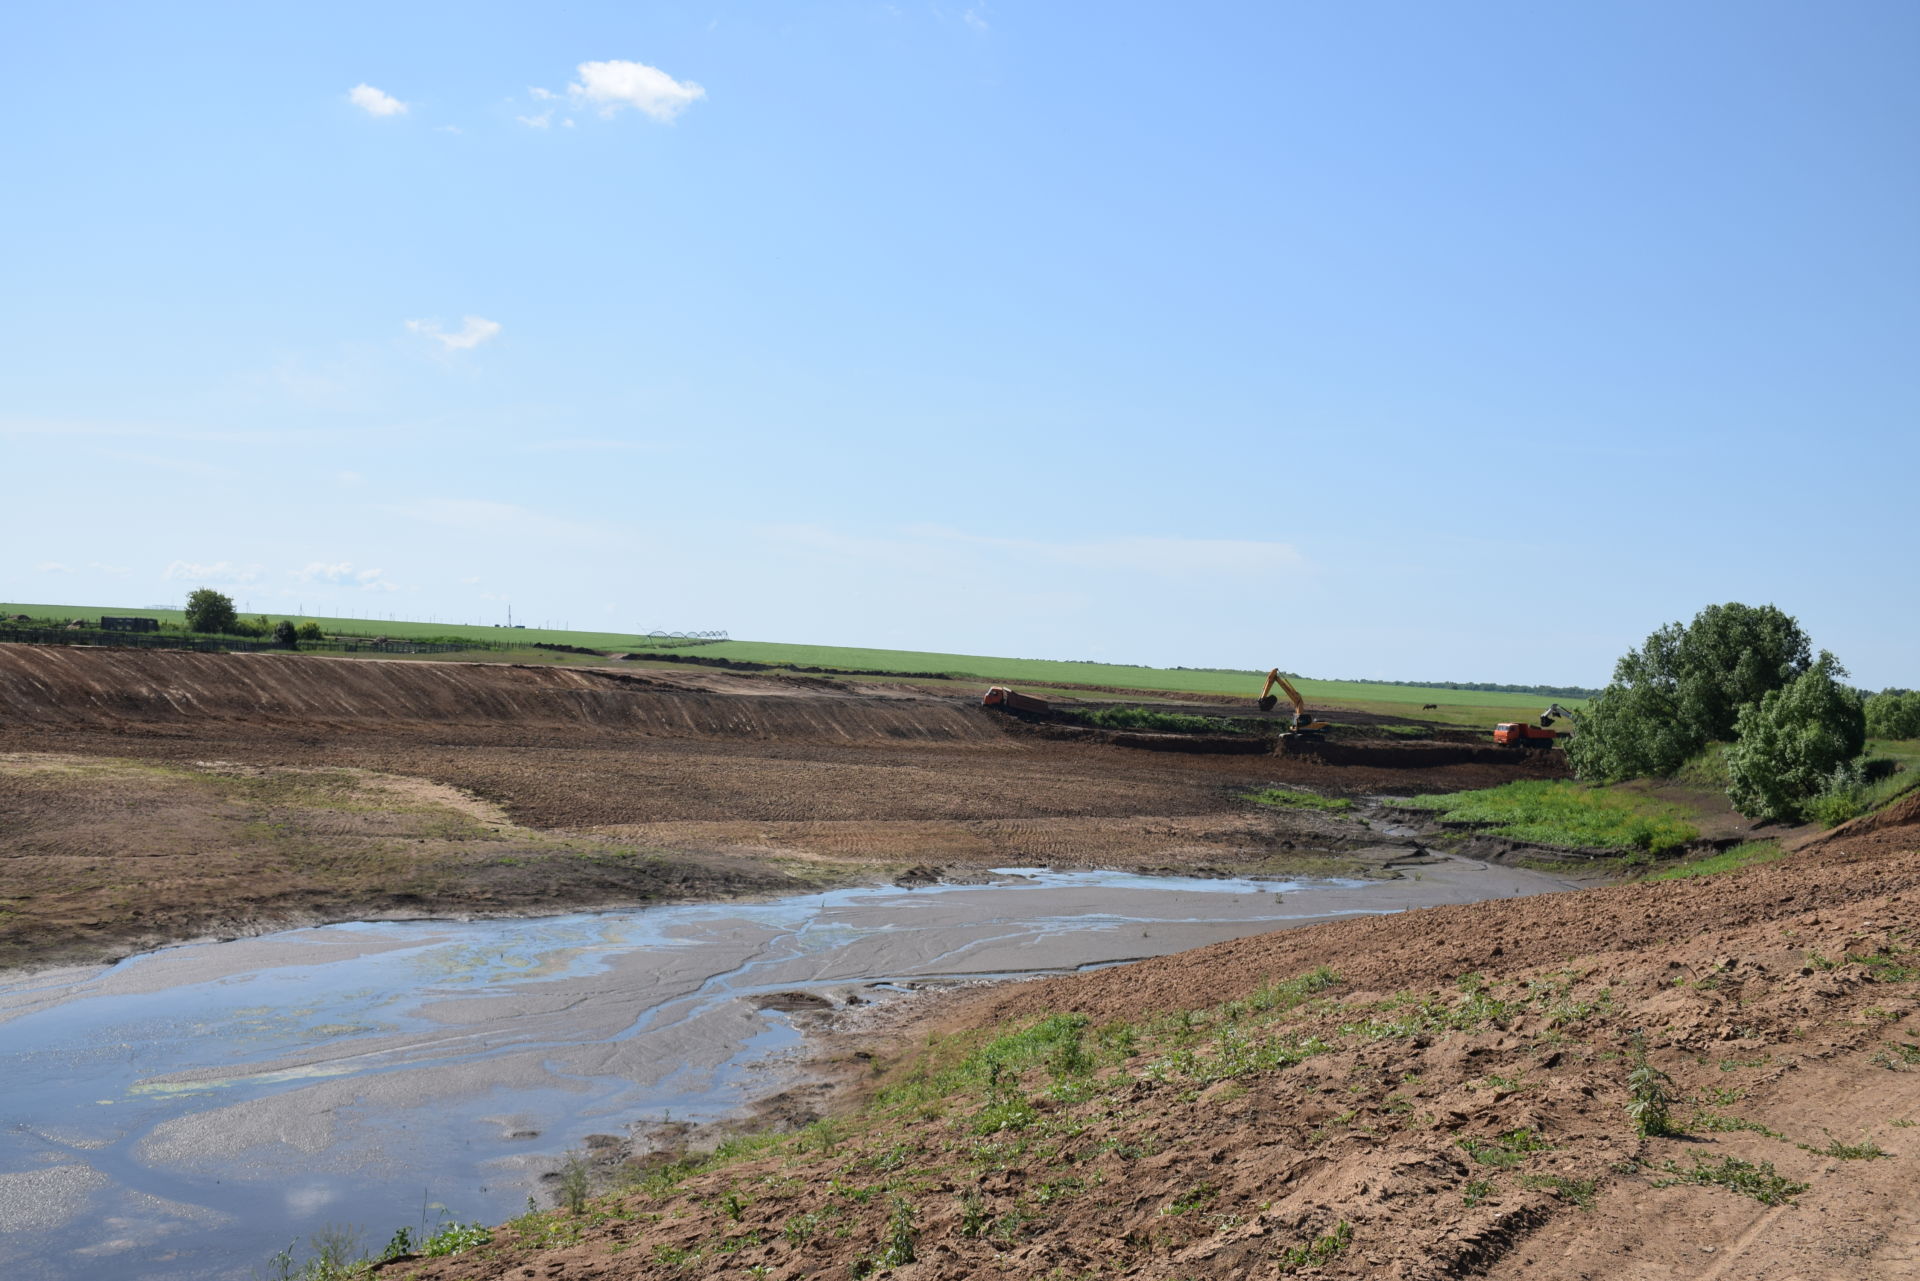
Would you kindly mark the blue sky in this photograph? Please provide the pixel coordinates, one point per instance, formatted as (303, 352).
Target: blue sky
(1386, 340)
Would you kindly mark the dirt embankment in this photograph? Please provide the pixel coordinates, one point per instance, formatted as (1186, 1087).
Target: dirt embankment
(129, 824)
(132, 690)
(1439, 1094)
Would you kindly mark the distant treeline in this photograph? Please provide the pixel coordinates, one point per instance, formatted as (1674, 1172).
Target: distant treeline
(1478, 687)
(1488, 687)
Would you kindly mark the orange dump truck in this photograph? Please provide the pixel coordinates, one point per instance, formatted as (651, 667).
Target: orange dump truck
(1002, 697)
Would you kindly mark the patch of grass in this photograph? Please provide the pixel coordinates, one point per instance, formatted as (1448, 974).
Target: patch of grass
(1707, 1121)
(1193, 1200)
(1746, 854)
(1580, 1192)
(1867, 1151)
(1291, 798)
(1165, 722)
(1568, 814)
(1476, 1191)
(1706, 768)
(1757, 1179)
(456, 1238)
(1318, 1252)
(1505, 1150)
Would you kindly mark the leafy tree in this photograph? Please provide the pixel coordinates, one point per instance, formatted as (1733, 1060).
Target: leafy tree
(1684, 688)
(310, 631)
(284, 633)
(1793, 741)
(1894, 713)
(211, 611)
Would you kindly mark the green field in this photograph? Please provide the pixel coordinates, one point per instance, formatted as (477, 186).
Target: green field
(1467, 707)
(361, 626)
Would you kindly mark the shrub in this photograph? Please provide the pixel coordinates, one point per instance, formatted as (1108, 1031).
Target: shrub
(1684, 688)
(1894, 713)
(310, 631)
(284, 633)
(210, 611)
(1795, 742)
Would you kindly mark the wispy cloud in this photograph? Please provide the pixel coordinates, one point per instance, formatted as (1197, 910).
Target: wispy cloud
(541, 121)
(976, 17)
(342, 574)
(614, 84)
(473, 331)
(219, 571)
(53, 567)
(104, 568)
(374, 102)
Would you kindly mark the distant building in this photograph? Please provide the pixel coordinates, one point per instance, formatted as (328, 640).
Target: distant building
(129, 624)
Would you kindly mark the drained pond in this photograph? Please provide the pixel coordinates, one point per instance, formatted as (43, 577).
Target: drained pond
(188, 1113)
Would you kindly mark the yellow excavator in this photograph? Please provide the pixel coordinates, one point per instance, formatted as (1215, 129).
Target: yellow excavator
(1303, 720)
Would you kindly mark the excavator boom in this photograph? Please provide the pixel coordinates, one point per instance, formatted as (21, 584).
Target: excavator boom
(1301, 718)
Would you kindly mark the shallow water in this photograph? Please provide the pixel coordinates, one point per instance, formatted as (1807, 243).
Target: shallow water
(189, 1112)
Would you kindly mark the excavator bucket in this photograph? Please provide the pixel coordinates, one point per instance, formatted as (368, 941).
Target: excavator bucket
(1269, 702)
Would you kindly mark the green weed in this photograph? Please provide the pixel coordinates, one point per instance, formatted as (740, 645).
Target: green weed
(1580, 1192)
(1292, 798)
(1505, 1150)
(1319, 1251)
(1649, 1094)
(1757, 1179)
(1867, 1151)
(1746, 854)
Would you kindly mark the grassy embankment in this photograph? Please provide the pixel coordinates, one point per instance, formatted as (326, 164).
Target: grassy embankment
(1460, 707)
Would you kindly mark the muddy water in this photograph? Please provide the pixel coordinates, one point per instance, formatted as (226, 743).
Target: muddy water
(190, 1112)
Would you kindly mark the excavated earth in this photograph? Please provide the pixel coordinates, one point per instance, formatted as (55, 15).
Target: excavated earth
(1439, 1093)
(1450, 1098)
(151, 796)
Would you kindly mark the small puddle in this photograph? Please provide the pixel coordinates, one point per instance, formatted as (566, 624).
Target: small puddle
(189, 1112)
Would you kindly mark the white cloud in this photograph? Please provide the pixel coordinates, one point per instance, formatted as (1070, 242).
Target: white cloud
(109, 569)
(341, 573)
(374, 102)
(540, 121)
(220, 571)
(321, 572)
(53, 567)
(473, 331)
(616, 84)
(542, 95)
(448, 129)
(975, 18)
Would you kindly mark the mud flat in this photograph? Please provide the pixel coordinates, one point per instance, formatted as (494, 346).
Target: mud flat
(187, 1113)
